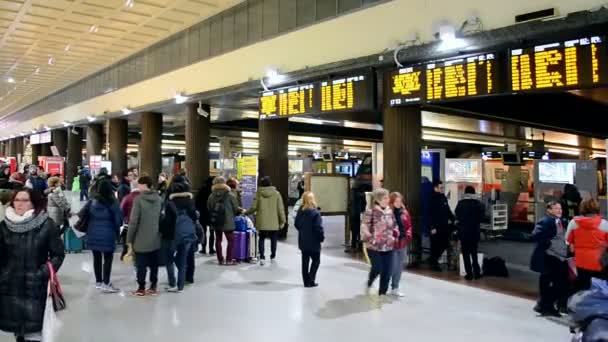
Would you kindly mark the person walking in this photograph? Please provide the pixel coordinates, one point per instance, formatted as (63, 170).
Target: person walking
(179, 222)
(143, 235)
(103, 229)
(270, 217)
(469, 214)
(309, 224)
(441, 217)
(28, 240)
(378, 231)
(588, 236)
(58, 206)
(404, 224)
(549, 259)
(84, 179)
(223, 207)
(201, 205)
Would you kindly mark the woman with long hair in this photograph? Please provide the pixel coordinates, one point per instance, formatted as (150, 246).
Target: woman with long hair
(404, 223)
(310, 228)
(103, 229)
(28, 240)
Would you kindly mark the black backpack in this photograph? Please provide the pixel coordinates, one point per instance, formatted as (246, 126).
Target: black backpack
(495, 267)
(217, 215)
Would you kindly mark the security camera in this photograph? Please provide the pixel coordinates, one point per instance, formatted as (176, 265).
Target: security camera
(74, 131)
(201, 111)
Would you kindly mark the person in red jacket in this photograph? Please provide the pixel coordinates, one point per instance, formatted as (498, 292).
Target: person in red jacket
(125, 207)
(587, 236)
(404, 223)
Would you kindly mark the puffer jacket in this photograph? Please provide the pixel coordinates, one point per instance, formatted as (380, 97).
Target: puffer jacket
(589, 236)
(58, 206)
(405, 237)
(269, 209)
(25, 248)
(309, 224)
(379, 229)
(589, 311)
(221, 192)
(105, 220)
(177, 202)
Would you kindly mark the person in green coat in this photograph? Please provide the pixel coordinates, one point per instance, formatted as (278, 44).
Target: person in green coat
(270, 217)
(221, 196)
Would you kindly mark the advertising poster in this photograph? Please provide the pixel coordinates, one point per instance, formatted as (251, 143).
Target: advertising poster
(249, 179)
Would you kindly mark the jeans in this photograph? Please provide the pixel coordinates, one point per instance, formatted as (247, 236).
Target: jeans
(218, 246)
(142, 263)
(84, 194)
(382, 265)
(469, 254)
(178, 255)
(553, 283)
(190, 263)
(398, 261)
(107, 266)
(309, 271)
(274, 238)
(208, 232)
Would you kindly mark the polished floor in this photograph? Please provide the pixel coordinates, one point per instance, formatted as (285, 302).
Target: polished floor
(254, 303)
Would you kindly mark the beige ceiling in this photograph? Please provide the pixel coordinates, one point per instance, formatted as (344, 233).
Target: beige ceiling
(81, 37)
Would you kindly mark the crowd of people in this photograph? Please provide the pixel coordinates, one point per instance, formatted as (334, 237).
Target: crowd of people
(160, 222)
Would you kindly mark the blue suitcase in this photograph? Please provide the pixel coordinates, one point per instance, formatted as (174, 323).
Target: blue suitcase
(240, 224)
(71, 242)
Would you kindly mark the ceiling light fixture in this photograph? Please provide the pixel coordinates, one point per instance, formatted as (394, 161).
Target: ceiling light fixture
(67, 48)
(129, 3)
(93, 29)
(47, 128)
(180, 98)
(91, 118)
(51, 60)
(10, 80)
(37, 71)
(34, 131)
(126, 111)
(66, 124)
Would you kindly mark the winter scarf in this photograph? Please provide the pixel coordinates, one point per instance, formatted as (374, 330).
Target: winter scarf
(24, 223)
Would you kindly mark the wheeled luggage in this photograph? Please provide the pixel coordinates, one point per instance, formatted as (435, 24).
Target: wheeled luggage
(72, 243)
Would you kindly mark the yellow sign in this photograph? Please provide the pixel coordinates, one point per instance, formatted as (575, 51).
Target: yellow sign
(249, 166)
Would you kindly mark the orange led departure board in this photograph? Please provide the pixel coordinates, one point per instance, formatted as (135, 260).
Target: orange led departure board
(406, 86)
(573, 64)
(462, 77)
(347, 94)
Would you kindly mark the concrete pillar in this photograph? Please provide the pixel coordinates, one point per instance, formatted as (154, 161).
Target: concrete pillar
(402, 170)
(19, 146)
(74, 155)
(586, 147)
(94, 140)
(273, 161)
(150, 151)
(118, 136)
(45, 150)
(60, 140)
(12, 148)
(197, 146)
(35, 153)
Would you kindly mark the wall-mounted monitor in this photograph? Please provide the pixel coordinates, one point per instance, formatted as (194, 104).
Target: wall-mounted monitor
(556, 172)
(511, 158)
(464, 170)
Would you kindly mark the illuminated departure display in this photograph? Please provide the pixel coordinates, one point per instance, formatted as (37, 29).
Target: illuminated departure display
(462, 77)
(576, 63)
(347, 94)
(406, 86)
(296, 100)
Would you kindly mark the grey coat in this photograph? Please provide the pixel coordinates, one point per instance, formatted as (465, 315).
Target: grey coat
(143, 231)
(58, 206)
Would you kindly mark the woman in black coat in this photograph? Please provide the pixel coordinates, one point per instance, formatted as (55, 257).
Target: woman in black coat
(28, 239)
(310, 227)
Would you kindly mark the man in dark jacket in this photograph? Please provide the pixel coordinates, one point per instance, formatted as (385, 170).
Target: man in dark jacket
(201, 205)
(35, 182)
(5, 174)
(549, 259)
(469, 214)
(441, 217)
(125, 186)
(589, 309)
(85, 182)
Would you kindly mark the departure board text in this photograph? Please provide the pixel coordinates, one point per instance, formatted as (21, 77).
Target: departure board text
(285, 102)
(406, 86)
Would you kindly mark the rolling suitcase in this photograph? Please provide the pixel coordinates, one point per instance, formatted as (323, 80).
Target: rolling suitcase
(71, 242)
(252, 245)
(239, 243)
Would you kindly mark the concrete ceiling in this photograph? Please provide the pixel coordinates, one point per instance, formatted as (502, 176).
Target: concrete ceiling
(46, 45)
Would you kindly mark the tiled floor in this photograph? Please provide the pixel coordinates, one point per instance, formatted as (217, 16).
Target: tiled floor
(253, 303)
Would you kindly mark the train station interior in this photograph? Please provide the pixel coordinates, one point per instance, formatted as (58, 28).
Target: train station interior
(336, 97)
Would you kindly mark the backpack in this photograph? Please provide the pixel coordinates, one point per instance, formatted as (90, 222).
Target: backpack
(185, 229)
(495, 267)
(217, 214)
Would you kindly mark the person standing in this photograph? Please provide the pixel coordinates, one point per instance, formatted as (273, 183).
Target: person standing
(309, 224)
(378, 231)
(144, 236)
(28, 240)
(270, 217)
(404, 223)
(233, 183)
(588, 235)
(125, 186)
(58, 206)
(223, 207)
(126, 207)
(162, 184)
(201, 205)
(179, 221)
(441, 217)
(85, 183)
(103, 229)
(469, 214)
(35, 181)
(570, 201)
(5, 174)
(549, 259)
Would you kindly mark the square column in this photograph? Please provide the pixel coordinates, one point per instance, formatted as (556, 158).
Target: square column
(197, 145)
(118, 135)
(150, 150)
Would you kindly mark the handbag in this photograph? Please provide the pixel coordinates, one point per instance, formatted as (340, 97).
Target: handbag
(83, 218)
(50, 324)
(55, 289)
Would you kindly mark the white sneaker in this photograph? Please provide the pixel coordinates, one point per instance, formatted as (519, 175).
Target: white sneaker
(272, 261)
(262, 262)
(174, 290)
(396, 293)
(109, 288)
(98, 286)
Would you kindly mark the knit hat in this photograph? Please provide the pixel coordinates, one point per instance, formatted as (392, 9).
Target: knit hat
(17, 177)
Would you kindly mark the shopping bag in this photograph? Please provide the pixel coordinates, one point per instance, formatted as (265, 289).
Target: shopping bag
(55, 293)
(479, 260)
(572, 272)
(50, 324)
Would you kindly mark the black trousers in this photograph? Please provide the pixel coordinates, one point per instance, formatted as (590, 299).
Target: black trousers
(190, 263)
(209, 233)
(107, 258)
(469, 254)
(355, 229)
(309, 271)
(274, 238)
(553, 284)
(143, 261)
(382, 265)
(439, 243)
(583, 278)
